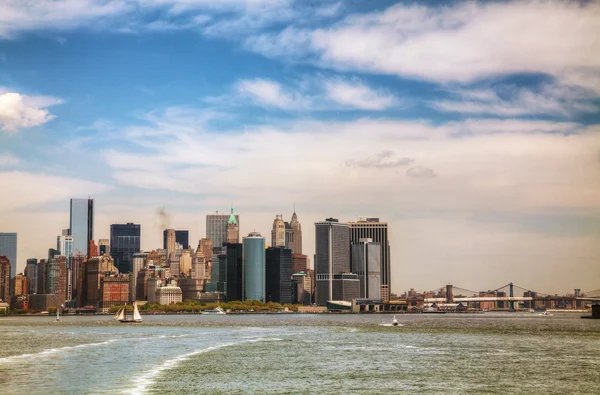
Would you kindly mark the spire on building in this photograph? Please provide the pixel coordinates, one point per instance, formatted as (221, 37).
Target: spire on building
(232, 219)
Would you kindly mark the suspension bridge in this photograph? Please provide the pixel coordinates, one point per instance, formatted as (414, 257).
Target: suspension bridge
(505, 297)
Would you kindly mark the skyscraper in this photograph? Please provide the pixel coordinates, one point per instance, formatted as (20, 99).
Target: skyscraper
(366, 263)
(5, 275)
(82, 225)
(371, 228)
(332, 256)
(216, 227)
(233, 229)
(232, 271)
(64, 244)
(175, 236)
(254, 267)
(278, 232)
(31, 274)
(124, 242)
(8, 248)
(295, 242)
(169, 241)
(278, 275)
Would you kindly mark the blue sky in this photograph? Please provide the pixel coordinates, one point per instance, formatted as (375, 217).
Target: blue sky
(473, 128)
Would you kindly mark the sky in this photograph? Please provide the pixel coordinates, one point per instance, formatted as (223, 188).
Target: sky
(473, 129)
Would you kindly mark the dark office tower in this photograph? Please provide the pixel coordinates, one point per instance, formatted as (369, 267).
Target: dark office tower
(124, 242)
(42, 275)
(8, 248)
(371, 228)
(5, 267)
(31, 274)
(181, 237)
(366, 263)
(234, 271)
(332, 245)
(279, 275)
(82, 225)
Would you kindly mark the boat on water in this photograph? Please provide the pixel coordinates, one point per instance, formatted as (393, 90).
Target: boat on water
(394, 321)
(121, 315)
(216, 311)
(546, 314)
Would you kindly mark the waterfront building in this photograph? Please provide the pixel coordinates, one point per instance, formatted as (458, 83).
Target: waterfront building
(278, 275)
(216, 228)
(5, 269)
(31, 274)
(42, 275)
(278, 232)
(299, 263)
(332, 256)
(302, 286)
(191, 288)
(234, 274)
(345, 286)
(104, 246)
(81, 225)
(254, 267)
(168, 294)
(124, 242)
(19, 291)
(366, 263)
(294, 241)
(372, 228)
(56, 278)
(139, 261)
(96, 269)
(41, 302)
(114, 291)
(8, 248)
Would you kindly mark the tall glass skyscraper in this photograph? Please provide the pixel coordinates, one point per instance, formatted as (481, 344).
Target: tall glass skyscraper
(254, 267)
(82, 225)
(124, 242)
(8, 248)
(332, 257)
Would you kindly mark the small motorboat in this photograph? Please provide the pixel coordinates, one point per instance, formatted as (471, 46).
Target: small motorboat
(216, 311)
(394, 321)
(546, 314)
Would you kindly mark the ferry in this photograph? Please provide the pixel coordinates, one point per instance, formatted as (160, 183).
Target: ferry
(215, 311)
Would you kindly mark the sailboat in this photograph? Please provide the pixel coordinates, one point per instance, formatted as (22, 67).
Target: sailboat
(58, 314)
(121, 315)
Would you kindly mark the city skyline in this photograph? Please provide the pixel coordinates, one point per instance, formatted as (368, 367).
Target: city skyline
(484, 160)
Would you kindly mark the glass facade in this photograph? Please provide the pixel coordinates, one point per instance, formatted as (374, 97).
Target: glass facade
(82, 225)
(279, 275)
(254, 267)
(332, 256)
(8, 248)
(124, 242)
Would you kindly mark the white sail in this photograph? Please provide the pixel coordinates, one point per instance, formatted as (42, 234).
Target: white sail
(136, 313)
(118, 313)
(121, 315)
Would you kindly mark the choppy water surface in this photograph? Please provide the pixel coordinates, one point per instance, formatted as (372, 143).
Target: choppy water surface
(491, 353)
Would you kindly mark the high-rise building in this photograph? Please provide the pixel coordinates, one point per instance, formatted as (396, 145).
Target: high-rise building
(82, 224)
(19, 286)
(206, 246)
(5, 268)
(233, 229)
(302, 288)
(278, 232)
(64, 244)
(234, 274)
(169, 241)
(8, 248)
(139, 261)
(216, 227)
(31, 274)
(332, 256)
(299, 263)
(56, 278)
(114, 291)
(371, 228)
(254, 267)
(366, 263)
(96, 269)
(42, 275)
(278, 275)
(103, 246)
(124, 242)
(295, 236)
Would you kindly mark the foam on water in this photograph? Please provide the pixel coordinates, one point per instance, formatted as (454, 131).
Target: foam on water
(146, 380)
(52, 351)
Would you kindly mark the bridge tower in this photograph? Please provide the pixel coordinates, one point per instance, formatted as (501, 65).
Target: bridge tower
(449, 294)
(512, 293)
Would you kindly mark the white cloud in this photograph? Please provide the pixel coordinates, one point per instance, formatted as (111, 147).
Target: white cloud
(358, 95)
(549, 99)
(23, 189)
(270, 93)
(18, 111)
(8, 160)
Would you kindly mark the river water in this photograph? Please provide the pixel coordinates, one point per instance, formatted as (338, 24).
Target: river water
(292, 353)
